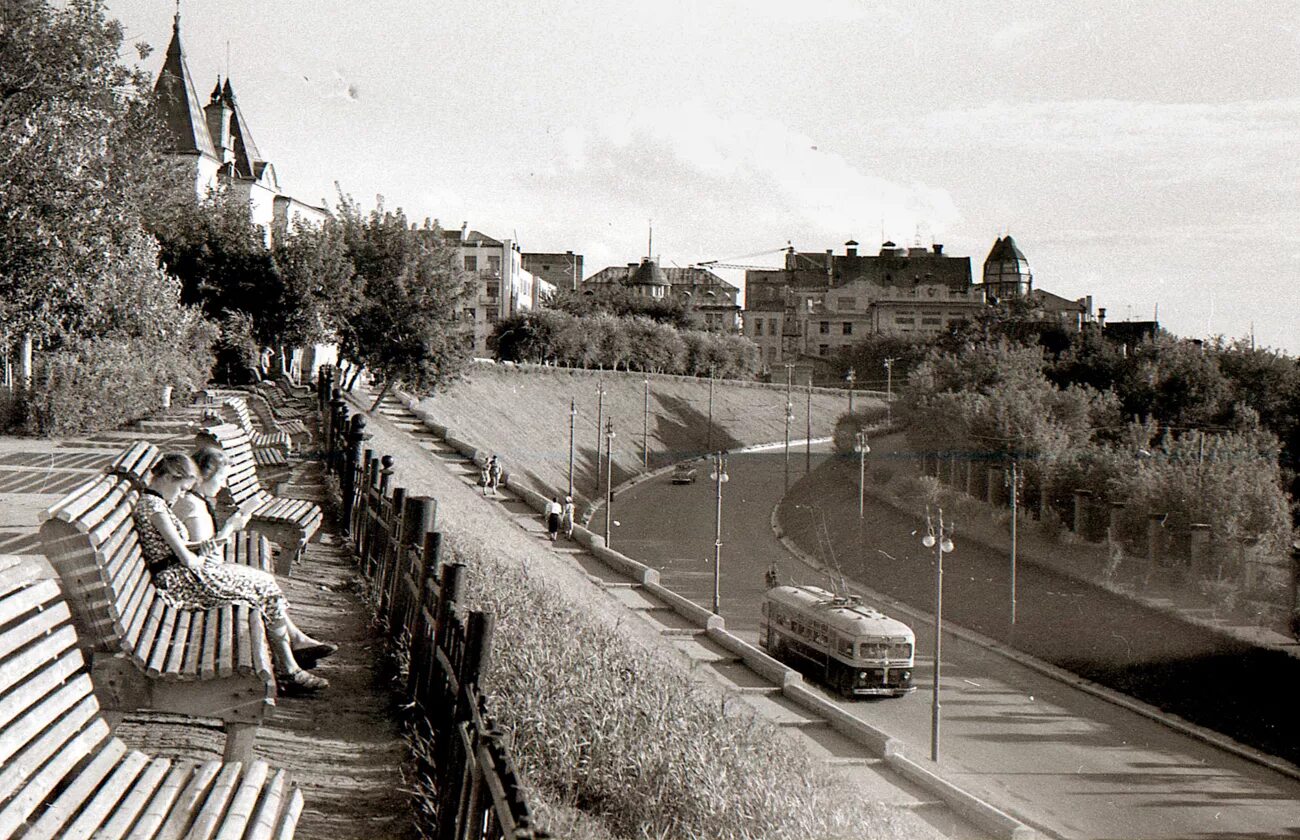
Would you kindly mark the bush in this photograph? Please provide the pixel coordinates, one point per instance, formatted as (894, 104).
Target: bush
(103, 384)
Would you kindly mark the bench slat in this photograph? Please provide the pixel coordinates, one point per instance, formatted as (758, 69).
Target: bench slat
(252, 788)
(187, 801)
(156, 662)
(37, 671)
(141, 646)
(112, 798)
(67, 753)
(19, 635)
(50, 727)
(211, 631)
(268, 814)
(218, 801)
(164, 798)
(243, 641)
(75, 795)
(225, 660)
(194, 651)
(180, 639)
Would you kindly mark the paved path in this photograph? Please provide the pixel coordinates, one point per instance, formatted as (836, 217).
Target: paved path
(343, 747)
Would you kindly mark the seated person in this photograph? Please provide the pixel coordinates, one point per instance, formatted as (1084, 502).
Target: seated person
(187, 579)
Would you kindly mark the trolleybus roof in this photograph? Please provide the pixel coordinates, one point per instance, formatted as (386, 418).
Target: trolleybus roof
(847, 615)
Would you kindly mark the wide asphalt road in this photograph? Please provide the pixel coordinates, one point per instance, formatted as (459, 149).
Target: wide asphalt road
(1066, 761)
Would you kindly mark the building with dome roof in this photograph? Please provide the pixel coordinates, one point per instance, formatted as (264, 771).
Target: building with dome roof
(1007, 275)
(704, 293)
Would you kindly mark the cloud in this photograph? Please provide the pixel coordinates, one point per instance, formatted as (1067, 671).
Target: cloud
(335, 87)
(735, 179)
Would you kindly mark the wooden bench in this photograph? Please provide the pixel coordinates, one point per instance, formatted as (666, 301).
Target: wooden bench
(143, 653)
(295, 427)
(268, 448)
(64, 774)
(283, 406)
(289, 522)
(247, 548)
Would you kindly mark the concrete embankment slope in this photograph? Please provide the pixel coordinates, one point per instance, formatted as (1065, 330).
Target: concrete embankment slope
(867, 756)
(522, 414)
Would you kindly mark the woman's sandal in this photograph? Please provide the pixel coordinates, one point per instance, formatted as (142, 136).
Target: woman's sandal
(308, 655)
(301, 682)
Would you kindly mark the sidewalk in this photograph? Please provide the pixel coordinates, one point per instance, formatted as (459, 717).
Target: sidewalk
(343, 747)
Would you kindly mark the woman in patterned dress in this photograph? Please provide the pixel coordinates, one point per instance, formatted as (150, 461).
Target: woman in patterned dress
(197, 510)
(189, 580)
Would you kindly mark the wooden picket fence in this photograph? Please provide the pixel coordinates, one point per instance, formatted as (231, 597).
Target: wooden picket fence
(398, 548)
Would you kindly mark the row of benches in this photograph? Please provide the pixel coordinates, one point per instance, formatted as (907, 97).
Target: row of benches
(64, 774)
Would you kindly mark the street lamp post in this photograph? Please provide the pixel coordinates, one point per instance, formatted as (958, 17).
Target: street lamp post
(851, 377)
(719, 475)
(600, 419)
(789, 416)
(942, 544)
(1015, 491)
(609, 475)
(708, 445)
(860, 446)
(807, 443)
(889, 391)
(573, 419)
(645, 428)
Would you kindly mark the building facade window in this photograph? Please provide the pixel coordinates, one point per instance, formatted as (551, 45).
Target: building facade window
(494, 264)
(493, 290)
(823, 349)
(931, 322)
(824, 327)
(845, 303)
(758, 326)
(848, 328)
(904, 320)
(471, 263)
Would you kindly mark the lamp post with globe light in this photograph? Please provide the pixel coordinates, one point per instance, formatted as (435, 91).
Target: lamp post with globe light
(850, 378)
(860, 447)
(941, 542)
(719, 476)
(609, 475)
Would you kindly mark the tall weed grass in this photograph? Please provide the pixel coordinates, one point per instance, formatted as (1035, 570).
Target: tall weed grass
(619, 740)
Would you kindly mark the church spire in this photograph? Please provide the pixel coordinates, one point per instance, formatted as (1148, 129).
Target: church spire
(178, 102)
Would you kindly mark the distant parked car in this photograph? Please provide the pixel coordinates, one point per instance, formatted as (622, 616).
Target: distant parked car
(684, 474)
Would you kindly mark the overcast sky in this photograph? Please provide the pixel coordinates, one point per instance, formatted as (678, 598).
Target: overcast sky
(1141, 153)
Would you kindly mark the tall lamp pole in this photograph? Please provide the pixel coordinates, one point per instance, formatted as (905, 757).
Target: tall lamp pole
(860, 446)
(1015, 491)
(807, 443)
(789, 418)
(573, 419)
(609, 475)
(600, 420)
(851, 377)
(719, 475)
(942, 544)
(889, 391)
(709, 442)
(645, 428)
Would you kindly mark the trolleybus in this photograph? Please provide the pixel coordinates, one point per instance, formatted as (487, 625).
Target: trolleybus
(855, 649)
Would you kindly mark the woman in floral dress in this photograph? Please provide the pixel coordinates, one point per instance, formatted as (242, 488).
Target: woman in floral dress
(188, 578)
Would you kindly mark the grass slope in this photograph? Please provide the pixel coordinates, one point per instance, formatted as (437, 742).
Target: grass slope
(522, 414)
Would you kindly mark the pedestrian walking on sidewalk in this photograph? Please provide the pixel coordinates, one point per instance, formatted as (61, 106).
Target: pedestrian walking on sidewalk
(553, 511)
(484, 477)
(566, 517)
(494, 474)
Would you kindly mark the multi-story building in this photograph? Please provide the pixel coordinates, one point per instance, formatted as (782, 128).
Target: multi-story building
(564, 271)
(820, 304)
(503, 287)
(705, 293)
(216, 138)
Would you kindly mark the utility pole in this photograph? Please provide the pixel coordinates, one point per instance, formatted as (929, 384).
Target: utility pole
(573, 419)
(645, 428)
(850, 378)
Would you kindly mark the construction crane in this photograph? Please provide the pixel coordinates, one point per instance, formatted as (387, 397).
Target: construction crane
(728, 264)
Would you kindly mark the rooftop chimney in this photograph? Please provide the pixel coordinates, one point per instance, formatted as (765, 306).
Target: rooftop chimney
(851, 248)
(938, 249)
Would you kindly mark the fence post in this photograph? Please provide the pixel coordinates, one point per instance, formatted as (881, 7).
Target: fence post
(338, 411)
(1081, 497)
(352, 456)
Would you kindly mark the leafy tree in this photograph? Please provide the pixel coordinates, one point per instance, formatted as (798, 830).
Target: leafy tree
(1176, 382)
(867, 358)
(318, 289)
(404, 328)
(622, 301)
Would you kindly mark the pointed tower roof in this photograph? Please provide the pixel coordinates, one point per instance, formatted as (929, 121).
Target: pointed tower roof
(248, 160)
(1005, 248)
(649, 274)
(178, 102)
